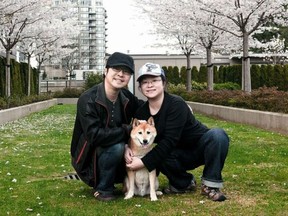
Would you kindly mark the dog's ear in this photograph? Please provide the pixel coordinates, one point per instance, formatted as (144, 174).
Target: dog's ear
(135, 122)
(151, 121)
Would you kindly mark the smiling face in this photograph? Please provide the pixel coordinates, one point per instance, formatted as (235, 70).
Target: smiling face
(143, 134)
(117, 77)
(152, 86)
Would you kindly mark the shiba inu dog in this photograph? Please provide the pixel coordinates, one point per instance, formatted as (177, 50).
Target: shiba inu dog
(142, 182)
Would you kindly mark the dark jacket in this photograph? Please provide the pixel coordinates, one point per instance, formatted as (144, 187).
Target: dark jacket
(176, 127)
(91, 129)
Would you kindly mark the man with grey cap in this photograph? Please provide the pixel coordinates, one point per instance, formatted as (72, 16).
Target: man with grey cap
(102, 128)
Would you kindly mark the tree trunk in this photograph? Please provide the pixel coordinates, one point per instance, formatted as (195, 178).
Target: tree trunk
(39, 78)
(70, 76)
(29, 77)
(209, 69)
(246, 76)
(189, 84)
(8, 75)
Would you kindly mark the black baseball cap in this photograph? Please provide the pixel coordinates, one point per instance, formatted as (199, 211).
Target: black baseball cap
(121, 59)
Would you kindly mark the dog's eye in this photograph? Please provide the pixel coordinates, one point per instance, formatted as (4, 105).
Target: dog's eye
(139, 132)
(148, 132)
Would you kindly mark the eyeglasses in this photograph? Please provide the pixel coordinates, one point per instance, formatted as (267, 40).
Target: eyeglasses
(153, 82)
(126, 71)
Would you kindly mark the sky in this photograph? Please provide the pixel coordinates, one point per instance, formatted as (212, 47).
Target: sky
(127, 31)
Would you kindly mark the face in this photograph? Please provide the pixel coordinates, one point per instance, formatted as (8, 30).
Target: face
(117, 77)
(143, 133)
(152, 86)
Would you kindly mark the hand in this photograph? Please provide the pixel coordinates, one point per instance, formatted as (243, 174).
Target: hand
(128, 155)
(135, 164)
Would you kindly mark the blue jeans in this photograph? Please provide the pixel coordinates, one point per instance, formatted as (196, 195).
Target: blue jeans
(109, 164)
(211, 151)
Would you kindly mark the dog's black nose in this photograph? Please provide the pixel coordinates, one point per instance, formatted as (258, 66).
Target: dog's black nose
(145, 141)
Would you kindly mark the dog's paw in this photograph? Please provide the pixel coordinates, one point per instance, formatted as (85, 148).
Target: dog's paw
(159, 193)
(128, 196)
(153, 198)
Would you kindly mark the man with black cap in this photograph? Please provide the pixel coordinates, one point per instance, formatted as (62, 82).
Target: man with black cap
(102, 128)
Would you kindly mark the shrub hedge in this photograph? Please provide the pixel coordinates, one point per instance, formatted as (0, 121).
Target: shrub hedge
(20, 100)
(264, 98)
(19, 78)
(261, 75)
(227, 82)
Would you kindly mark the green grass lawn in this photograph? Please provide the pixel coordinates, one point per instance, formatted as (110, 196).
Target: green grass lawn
(35, 156)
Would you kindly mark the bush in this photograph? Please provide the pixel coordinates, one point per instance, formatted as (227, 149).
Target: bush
(176, 89)
(2, 103)
(264, 99)
(227, 85)
(181, 87)
(68, 93)
(199, 86)
(20, 100)
(92, 80)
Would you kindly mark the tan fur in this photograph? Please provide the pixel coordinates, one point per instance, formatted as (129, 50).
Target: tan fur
(142, 182)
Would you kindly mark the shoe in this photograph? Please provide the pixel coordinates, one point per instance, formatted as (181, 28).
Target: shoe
(104, 197)
(212, 193)
(172, 190)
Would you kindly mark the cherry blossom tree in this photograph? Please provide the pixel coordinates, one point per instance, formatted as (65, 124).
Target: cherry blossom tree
(269, 44)
(33, 25)
(189, 25)
(15, 16)
(50, 35)
(211, 39)
(242, 18)
(176, 36)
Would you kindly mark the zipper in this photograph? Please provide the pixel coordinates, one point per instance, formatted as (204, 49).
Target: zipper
(108, 116)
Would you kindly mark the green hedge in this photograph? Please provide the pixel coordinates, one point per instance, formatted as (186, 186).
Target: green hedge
(261, 75)
(19, 78)
(264, 99)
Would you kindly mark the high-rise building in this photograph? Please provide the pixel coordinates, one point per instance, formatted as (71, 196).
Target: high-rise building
(92, 44)
(92, 38)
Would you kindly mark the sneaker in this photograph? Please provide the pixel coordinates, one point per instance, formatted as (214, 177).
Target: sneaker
(104, 197)
(212, 193)
(172, 190)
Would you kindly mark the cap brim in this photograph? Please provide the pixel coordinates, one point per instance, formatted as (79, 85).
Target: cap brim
(147, 75)
(121, 64)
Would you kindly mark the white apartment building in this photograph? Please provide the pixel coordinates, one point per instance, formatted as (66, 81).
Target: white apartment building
(92, 44)
(91, 41)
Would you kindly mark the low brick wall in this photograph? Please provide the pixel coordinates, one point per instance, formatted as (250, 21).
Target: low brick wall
(277, 122)
(267, 120)
(67, 100)
(15, 113)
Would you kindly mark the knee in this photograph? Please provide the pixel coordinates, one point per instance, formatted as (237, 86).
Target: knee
(117, 150)
(112, 153)
(219, 136)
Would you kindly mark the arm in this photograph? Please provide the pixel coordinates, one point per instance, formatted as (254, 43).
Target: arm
(169, 128)
(132, 163)
(128, 155)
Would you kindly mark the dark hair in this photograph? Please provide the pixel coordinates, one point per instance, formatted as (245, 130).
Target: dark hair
(142, 77)
(163, 78)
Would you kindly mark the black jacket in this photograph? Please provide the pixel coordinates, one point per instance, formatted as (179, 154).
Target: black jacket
(91, 129)
(176, 127)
